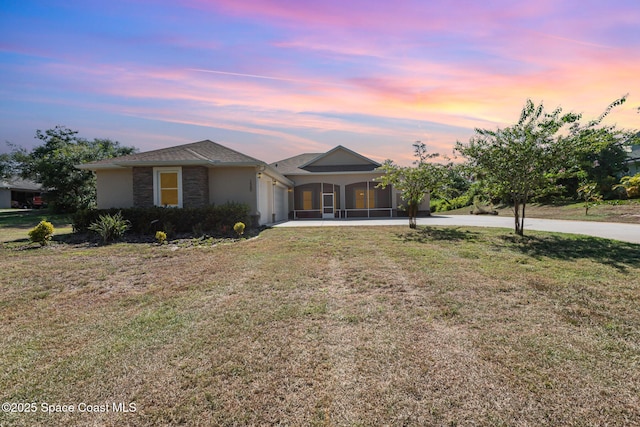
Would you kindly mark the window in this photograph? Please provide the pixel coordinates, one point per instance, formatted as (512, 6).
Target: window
(167, 187)
(307, 200)
(360, 198)
(371, 199)
(307, 197)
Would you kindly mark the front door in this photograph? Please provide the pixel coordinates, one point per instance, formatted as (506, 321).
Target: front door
(327, 205)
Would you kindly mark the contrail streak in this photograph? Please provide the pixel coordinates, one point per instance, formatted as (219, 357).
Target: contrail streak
(257, 76)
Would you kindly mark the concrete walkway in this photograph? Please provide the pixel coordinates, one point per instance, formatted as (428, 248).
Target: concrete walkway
(608, 230)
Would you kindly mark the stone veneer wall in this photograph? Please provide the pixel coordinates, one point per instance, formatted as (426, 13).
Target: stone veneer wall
(195, 186)
(143, 187)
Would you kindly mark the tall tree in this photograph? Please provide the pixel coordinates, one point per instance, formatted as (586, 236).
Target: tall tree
(515, 162)
(413, 182)
(522, 161)
(52, 164)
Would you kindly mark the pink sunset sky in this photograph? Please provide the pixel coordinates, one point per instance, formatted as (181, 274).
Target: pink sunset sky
(273, 79)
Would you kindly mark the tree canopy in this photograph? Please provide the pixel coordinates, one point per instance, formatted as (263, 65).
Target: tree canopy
(526, 159)
(52, 164)
(414, 182)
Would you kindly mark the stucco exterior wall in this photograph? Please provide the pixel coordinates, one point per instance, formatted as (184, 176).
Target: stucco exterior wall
(115, 188)
(340, 158)
(233, 185)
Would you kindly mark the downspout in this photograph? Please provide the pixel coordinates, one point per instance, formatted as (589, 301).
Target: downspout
(274, 184)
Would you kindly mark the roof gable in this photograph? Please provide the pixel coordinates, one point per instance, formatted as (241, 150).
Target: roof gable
(340, 157)
(338, 160)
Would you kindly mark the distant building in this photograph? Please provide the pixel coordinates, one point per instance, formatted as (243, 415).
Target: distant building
(633, 159)
(17, 192)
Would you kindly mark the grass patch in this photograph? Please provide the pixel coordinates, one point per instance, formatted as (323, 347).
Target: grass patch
(16, 223)
(626, 211)
(327, 326)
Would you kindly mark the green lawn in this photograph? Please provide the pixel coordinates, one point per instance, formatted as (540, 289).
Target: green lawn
(16, 223)
(327, 326)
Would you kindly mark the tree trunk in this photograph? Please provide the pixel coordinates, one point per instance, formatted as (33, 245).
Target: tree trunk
(413, 213)
(516, 216)
(524, 205)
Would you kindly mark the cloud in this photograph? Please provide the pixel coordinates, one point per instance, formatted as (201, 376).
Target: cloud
(312, 75)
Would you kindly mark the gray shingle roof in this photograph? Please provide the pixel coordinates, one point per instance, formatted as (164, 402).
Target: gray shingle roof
(292, 165)
(305, 164)
(16, 183)
(203, 152)
(634, 153)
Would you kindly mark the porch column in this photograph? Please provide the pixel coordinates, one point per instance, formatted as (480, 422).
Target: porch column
(343, 200)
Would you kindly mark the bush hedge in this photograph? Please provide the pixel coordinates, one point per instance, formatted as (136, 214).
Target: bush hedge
(441, 205)
(209, 219)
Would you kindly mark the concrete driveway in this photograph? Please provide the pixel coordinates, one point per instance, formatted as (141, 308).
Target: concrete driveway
(608, 230)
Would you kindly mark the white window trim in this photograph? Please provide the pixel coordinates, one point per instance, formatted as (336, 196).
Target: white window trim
(156, 184)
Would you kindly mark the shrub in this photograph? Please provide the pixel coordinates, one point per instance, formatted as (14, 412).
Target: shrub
(440, 205)
(198, 230)
(110, 227)
(169, 228)
(186, 220)
(41, 233)
(161, 237)
(589, 193)
(482, 207)
(631, 185)
(239, 228)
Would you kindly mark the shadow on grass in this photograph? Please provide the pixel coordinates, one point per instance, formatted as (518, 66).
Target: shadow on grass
(430, 234)
(614, 253)
(26, 219)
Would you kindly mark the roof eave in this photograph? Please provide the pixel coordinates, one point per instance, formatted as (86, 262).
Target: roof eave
(212, 163)
(307, 173)
(95, 167)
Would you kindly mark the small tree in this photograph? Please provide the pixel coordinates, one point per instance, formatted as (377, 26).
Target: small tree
(413, 182)
(588, 192)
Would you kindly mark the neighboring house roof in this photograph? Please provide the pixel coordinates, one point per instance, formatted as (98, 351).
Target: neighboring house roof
(633, 155)
(338, 160)
(19, 184)
(201, 153)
